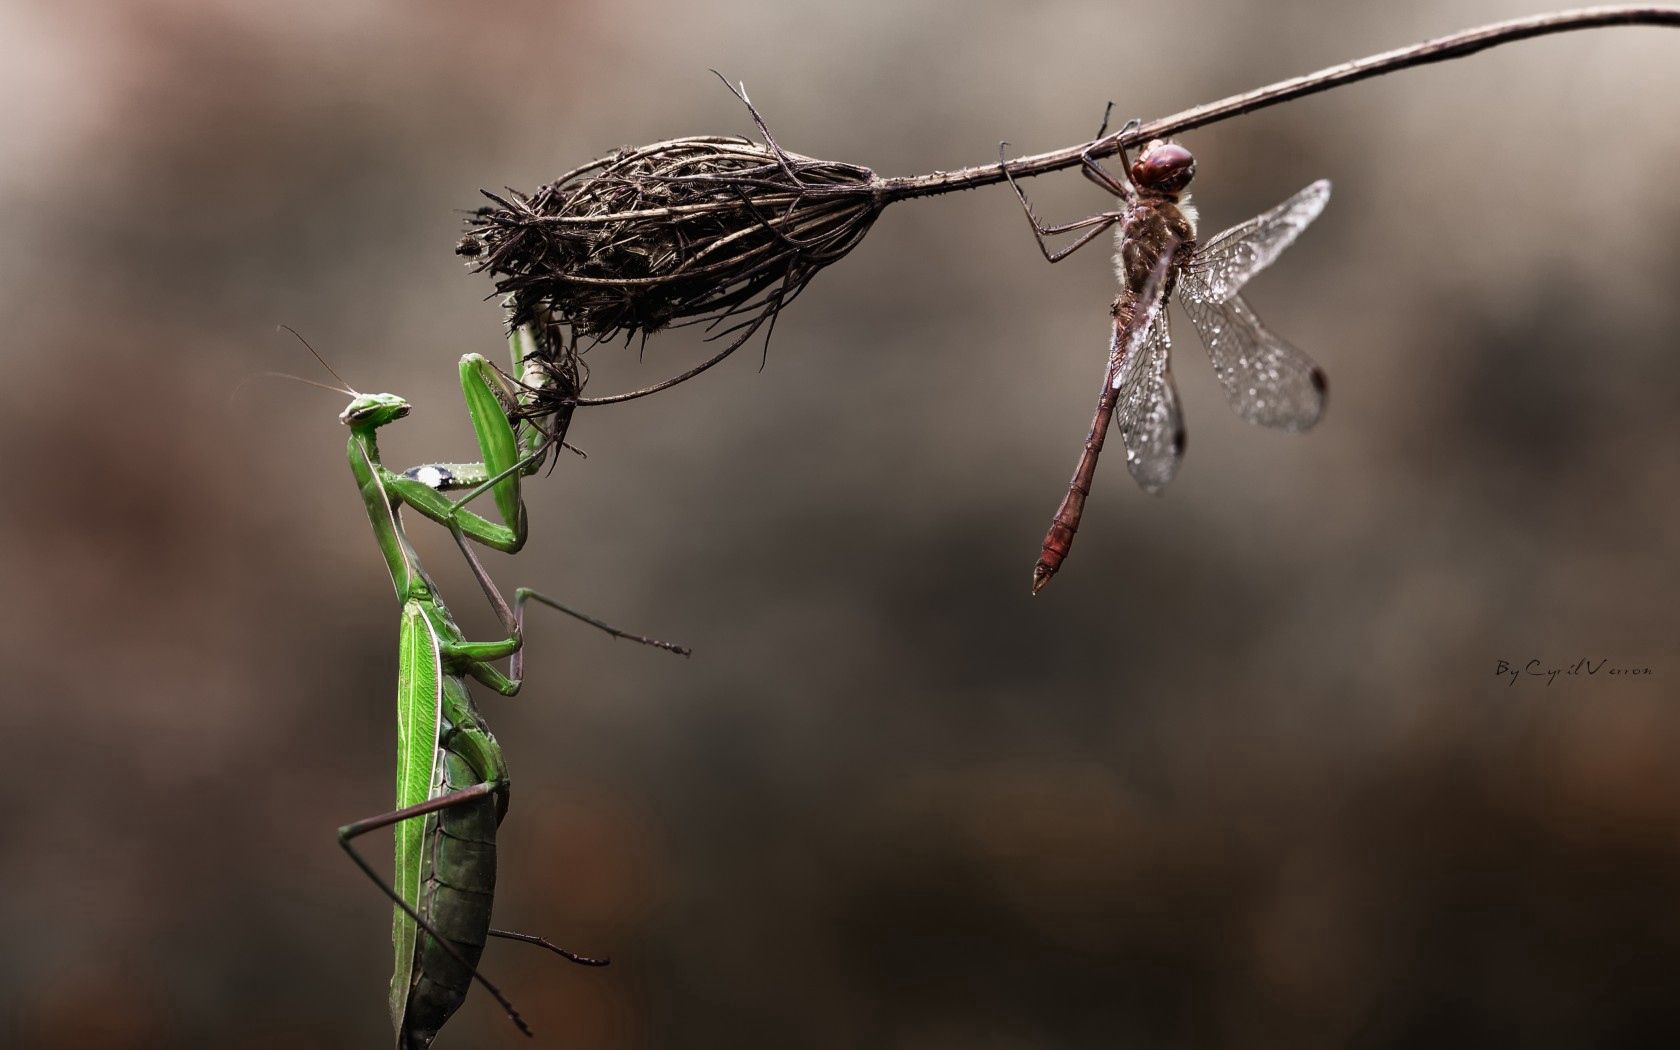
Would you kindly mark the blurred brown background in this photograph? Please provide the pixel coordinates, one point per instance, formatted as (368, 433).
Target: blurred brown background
(1243, 777)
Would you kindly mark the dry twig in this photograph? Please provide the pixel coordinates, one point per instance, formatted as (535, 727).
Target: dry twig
(726, 232)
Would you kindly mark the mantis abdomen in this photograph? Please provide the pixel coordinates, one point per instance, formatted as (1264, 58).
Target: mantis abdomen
(457, 874)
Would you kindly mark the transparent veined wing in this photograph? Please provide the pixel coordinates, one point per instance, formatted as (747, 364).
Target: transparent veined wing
(1221, 266)
(1146, 409)
(1266, 380)
(1145, 403)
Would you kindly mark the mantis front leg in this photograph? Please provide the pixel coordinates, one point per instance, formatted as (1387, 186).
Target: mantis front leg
(506, 460)
(478, 378)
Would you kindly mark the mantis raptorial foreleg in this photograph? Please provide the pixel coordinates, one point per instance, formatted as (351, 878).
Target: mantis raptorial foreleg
(499, 472)
(492, 403)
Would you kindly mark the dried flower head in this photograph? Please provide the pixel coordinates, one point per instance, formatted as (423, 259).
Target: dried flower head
(722, 232)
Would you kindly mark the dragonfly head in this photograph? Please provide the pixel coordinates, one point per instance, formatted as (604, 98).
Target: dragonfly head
(1163, 168)
(373, 410)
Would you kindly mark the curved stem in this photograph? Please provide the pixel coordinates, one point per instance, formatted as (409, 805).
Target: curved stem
(1441, 49)
(885, 191)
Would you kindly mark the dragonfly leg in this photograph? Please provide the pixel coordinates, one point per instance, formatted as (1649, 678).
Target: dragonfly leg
(1091, 169)
(564, 953)
(1118, 185)
(397, 816)
(1095, 223)
(1102, 129)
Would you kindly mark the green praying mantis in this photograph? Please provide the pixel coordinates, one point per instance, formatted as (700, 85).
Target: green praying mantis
(452, 780)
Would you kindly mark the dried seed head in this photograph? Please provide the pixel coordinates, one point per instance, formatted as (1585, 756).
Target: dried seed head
(723, 232)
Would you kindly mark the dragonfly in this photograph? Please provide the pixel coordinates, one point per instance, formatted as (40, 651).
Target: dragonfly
(1266, 380)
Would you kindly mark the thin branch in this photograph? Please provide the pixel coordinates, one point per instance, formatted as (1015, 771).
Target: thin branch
(680, 232)
(1441, 49)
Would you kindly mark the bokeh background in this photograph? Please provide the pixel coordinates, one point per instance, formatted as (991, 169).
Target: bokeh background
(1243, 777)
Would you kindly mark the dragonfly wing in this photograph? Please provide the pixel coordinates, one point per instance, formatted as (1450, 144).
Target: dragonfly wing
(1266, 380)
(1146, 409)
(1220, 268)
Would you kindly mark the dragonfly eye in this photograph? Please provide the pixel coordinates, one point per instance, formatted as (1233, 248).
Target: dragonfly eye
(1163, 167)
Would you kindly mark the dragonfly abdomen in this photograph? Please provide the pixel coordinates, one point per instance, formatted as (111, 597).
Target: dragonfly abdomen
(1066, 522)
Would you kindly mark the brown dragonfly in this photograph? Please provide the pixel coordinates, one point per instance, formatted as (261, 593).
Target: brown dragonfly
(1266, 380)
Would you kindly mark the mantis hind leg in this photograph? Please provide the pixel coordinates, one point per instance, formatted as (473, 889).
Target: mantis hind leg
(564, 953)
(383, 820)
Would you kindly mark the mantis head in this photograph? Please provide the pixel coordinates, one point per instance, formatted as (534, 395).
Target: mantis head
(373, 410)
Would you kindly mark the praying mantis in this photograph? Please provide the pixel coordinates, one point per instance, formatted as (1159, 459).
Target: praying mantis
(452, 780)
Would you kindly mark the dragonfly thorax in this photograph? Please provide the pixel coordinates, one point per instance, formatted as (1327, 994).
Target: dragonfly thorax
(1155, 229)
(1163, 168)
